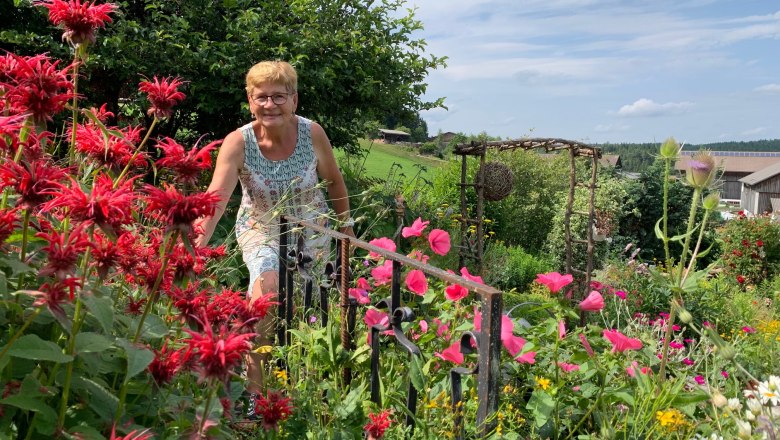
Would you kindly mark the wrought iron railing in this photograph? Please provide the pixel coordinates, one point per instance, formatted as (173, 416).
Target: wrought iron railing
(486, 343)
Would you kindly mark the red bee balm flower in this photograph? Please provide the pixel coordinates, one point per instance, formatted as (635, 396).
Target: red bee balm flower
(273, 408)
(37, 87)
(79, 20)
(378, 424)
(218, 354)
(186, 165)
(177, 210)
(33, 181)
(163, 94)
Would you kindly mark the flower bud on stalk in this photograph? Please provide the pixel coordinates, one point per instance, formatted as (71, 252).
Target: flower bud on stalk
(669, 149)
(684, 315)
(711, 201)
(718, 399)
(701, 170)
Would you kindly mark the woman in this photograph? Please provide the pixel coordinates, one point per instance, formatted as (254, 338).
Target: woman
(279, 158)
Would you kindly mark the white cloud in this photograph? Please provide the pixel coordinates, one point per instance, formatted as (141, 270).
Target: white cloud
(754, 131)
(768, 88)
(646, 107)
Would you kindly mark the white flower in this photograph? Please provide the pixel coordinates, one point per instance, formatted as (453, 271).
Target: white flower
(770, 390)
(743, 429)
(750, 416)
(734, 404)
(754, 405)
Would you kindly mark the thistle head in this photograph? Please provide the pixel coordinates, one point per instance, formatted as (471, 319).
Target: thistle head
(669, 149)
(701, 170)
(712, 201)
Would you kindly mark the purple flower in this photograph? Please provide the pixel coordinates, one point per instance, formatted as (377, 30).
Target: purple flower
(699, 379)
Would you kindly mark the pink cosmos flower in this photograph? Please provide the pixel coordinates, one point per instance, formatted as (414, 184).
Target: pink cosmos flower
(361, 295)
(415, 230)
(455, 292)
(416, 282)
(568, 368)
(439, 241)
(383, 274)
(621, 342)
(163, 94)
(78, 19)
(620, 294)
(382, 242)
(452, 354)
(554, 281)
(464, 272)
(593, 303)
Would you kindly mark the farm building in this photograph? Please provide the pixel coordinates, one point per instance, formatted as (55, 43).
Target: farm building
(610, 160)
(394, 136)
(761, 190)
(734, 165)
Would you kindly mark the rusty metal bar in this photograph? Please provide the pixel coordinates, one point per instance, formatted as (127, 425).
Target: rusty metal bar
(489, 363)
(343, 266)
(281, 324)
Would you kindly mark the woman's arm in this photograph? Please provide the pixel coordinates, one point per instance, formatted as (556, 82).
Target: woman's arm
(229, 161)
(328, 170)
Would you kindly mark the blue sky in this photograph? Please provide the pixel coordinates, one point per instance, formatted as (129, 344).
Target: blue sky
(605, 70)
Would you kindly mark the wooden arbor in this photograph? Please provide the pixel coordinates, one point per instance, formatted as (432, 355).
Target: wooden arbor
(474, 249)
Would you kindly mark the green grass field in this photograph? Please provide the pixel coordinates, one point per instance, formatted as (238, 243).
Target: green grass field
(385, 161)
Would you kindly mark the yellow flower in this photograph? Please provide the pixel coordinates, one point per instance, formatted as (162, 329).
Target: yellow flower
(543, 383)
(281, 375)
(671, 419)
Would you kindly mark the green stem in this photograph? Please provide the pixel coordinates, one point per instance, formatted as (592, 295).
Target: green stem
(687, 243)
(170, 241)
(23, 250)
(19, 332)
(206, 408)
(75, 109)
(77, 321)
(692, 264)
(667, 255)
(136, 153)
(590, 410)
(667, 339)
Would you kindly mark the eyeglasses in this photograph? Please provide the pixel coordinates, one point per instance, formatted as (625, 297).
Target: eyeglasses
(276, 98)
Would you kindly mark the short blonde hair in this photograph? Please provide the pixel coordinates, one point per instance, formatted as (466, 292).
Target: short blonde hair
(278, 72)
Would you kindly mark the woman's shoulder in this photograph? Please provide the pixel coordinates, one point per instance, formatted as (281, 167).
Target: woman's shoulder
(233, 145)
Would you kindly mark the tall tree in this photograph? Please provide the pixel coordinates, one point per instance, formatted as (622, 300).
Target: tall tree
(357, 60)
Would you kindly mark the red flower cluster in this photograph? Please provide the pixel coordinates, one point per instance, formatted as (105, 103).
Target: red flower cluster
(163, 94)
(79, 20)
(218, 353)
(167, 363)
(187, 166)
(35, 86)
(115, 152)
(273, 408)
(177, 210)
(33, 180)
(378, 424)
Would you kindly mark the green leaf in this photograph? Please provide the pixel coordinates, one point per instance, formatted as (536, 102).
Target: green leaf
(416, 373)
(541, 406)
(30, 398)
(686, 235)
(688, 398)
(429, 297)
(88, 342)
(35, 348)
(102, 308)
(154, 327)
(16, 266)
(138, 358)
(349, 405)
(100, 399)
(658, 232)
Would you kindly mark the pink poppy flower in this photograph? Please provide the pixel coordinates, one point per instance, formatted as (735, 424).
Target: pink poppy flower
(415, 230)
(439, 241)
(561, 329)
(568, 368)
(382, 242)
(363, 283)
(455, 292)
(621, 342)
(383, 274)
(416, 282)
(593, 303)
(554, 281)
(464, 272)
(374, 317)
(452, 354)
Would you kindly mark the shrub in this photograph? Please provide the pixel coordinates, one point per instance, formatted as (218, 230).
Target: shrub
(751, 249)
(511, 267)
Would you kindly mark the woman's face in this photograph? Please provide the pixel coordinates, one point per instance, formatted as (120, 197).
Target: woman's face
(272, 104)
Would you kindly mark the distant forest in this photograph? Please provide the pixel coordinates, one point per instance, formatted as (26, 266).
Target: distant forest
(637, 157)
